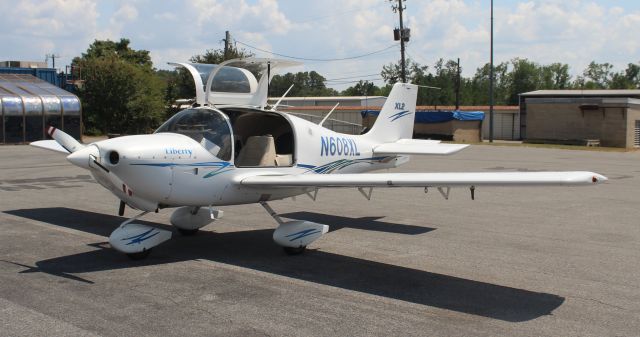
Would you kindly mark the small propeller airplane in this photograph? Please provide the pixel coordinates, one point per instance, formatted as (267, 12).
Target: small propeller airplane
(230, 148)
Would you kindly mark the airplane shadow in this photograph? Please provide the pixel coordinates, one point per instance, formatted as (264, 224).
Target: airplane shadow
(255, 249)
(367, 223)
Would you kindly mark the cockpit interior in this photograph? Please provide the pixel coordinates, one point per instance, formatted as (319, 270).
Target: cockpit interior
(249, 137)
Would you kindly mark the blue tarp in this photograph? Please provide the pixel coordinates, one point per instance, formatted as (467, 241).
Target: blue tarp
(437, 116)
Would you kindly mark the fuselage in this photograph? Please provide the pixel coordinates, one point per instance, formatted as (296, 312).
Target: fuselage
(173, 169)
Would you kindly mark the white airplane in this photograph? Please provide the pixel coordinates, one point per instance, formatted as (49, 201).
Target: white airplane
(241, 152)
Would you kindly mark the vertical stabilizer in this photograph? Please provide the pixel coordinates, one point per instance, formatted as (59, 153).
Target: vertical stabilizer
(397, 116)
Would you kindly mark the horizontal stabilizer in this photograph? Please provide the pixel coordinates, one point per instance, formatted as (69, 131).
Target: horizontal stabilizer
(51, 145)
(457, 179)
(418, 147)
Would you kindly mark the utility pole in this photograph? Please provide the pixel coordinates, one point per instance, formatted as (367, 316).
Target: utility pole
(491, 114)
(227, 44)
(458, 87)
(53, 59)
(403, 35)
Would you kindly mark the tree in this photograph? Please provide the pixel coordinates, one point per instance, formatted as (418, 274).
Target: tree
(121, 93)
(627, 79)
(524, 77)
(362, 88)
(120, 50)
(444, 81)
(216, 56)
(479, 85)
(307, 83)
(555, 76)
(596, 76)
(391, 72)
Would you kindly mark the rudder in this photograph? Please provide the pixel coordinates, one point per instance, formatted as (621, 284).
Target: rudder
(397, 117)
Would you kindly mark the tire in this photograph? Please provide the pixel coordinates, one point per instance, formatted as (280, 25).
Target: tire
(294, 250)
(188, 232)
(139, 255)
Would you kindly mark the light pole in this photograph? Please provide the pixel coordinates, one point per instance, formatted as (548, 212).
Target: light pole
(491, 81)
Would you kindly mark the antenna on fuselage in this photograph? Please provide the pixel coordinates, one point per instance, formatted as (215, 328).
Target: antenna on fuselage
(273, 108)
(329, 114)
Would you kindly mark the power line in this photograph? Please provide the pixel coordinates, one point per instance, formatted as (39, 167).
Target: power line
(334, 73)
(347, 82)
(350, 77)
(318, 60)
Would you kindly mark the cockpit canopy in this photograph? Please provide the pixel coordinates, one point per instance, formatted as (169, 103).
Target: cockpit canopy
(228, 79)
(206, 126)
(234, 82)
(251, 137)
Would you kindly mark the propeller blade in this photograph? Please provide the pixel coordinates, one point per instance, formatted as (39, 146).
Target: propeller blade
(66, 141)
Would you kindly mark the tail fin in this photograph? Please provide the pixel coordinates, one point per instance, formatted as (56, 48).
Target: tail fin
(397, 116)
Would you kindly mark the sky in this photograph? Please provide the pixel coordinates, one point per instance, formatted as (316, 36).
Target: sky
(575, 32)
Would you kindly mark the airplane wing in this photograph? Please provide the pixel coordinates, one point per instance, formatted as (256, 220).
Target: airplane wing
(417, 146)
(456, 179)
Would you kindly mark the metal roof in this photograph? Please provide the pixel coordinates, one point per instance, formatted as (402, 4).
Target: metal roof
(584, 93)
(28, 85)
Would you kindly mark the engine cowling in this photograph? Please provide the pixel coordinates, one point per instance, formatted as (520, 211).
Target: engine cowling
(185, 218)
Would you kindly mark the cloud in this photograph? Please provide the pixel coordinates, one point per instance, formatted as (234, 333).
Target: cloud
(31, 29)
(49, 19)
(125, 14)
(568, 31)
(263, 16)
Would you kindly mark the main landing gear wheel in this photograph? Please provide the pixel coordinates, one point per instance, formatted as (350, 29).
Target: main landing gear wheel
(188, 232)
(139, 255)
(294, 250)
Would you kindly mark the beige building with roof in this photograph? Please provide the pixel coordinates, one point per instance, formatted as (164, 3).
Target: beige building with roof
(603, 117)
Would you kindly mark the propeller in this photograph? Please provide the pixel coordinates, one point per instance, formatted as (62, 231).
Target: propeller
(66, 141)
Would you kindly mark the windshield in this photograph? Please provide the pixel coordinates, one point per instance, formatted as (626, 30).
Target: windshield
(206, 126)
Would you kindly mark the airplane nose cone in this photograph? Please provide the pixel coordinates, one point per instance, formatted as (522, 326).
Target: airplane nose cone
(82, 157)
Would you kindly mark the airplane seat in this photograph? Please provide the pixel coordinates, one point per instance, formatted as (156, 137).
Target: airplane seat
(284, 159)
(258, 151)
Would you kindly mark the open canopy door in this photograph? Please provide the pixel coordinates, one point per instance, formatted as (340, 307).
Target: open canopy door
(236, 81)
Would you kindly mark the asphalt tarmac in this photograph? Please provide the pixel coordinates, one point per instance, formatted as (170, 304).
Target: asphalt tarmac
(516, 261)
